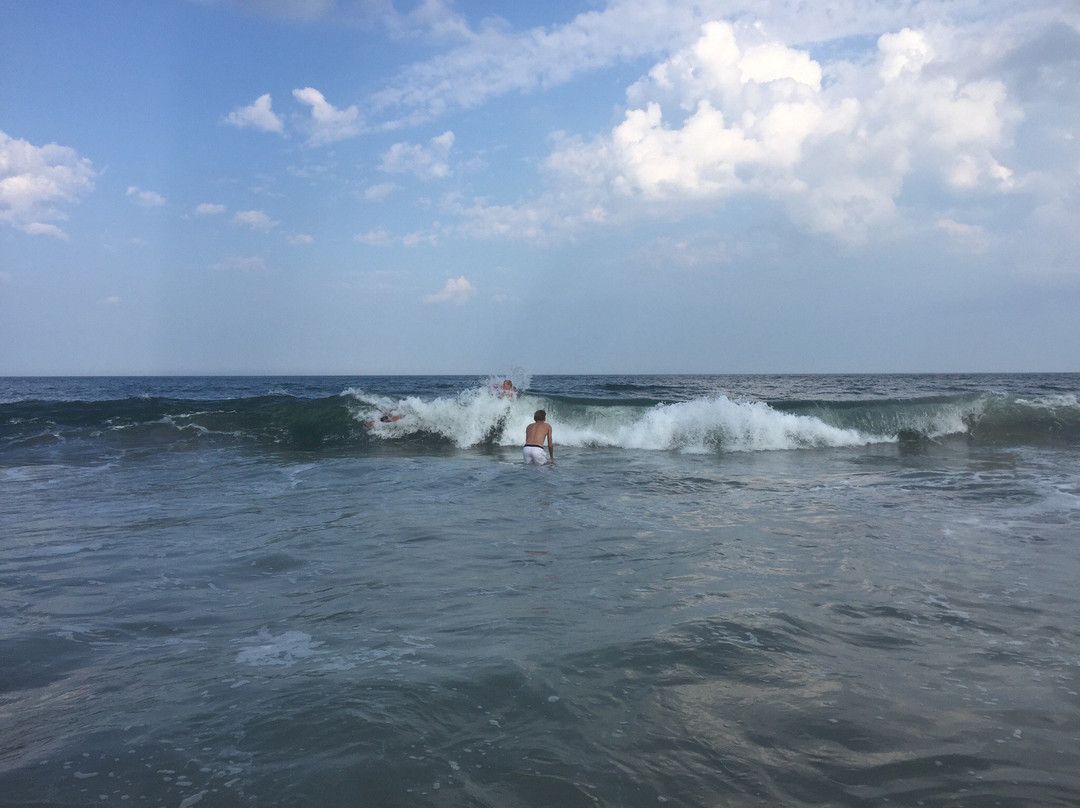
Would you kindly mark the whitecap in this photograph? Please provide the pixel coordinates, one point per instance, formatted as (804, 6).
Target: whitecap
(283, 649)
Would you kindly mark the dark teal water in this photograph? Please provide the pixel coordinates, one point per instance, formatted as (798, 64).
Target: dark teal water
(738, 591)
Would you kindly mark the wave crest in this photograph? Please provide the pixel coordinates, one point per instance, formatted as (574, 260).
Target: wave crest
(478, 416)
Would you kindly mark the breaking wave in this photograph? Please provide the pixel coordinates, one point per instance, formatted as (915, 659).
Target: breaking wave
(719, 423)
(477, 416)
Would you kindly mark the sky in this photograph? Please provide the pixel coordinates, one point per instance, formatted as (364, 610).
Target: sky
(617, 186)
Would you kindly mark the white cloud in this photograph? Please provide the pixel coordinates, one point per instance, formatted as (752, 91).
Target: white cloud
(377, 193)
(375, 238)
(255, 219)
(36, 180)
(43, 229)
(209, 209)
(418, 238)
(111, 300)
(299, 239)
(906, 52)
(526, 221)
(380, 237)
(456, 291)
(426, 162)
(328, 124)
(967, 237)
(147, 199)
(723, 117)
(495, 60)
(258, 115)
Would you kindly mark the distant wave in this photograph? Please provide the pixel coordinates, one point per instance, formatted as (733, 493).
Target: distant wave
(148, 422)
(478, 417)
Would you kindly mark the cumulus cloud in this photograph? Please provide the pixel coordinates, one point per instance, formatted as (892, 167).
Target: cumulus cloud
(725, 117)
(35, 181)
(377, 193)
(327, 123)
(425, 162)
(493, 59)
(255, 219)
(830, 133)
(299, 239)
(258, 115)
(209, 209)
(456, 291)
(324, 123)
(147, 199)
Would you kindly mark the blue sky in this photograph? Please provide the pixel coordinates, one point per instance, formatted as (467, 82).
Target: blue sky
(727, 186)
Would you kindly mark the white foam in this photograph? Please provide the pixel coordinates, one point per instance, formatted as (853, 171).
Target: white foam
(702, 425)
(466, 419)
(1062, 401)
(278, 650)
(707, 425)
(194, 799)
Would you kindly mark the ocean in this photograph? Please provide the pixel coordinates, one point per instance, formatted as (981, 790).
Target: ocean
(847, 590)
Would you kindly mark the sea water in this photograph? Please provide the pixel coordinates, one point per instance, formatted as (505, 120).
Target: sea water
(727, 591)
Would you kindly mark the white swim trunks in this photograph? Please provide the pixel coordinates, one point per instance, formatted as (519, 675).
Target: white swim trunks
(534, 454)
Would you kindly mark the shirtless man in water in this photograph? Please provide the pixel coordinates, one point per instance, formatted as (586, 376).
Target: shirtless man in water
(535, 433)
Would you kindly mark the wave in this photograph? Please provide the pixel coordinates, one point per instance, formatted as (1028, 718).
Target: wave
(478, 417)
(705, 425)
(720, 424)
(149, 422)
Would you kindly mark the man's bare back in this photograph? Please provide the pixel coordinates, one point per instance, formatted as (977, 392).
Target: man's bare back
(535, 435)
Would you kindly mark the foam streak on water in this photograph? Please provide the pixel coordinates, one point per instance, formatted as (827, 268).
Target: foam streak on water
(738, 597)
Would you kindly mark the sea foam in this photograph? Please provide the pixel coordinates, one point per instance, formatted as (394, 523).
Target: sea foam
(479, 416)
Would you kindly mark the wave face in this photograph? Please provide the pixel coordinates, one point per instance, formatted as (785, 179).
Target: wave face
(722, 424)
(438, 413)
(159, 423)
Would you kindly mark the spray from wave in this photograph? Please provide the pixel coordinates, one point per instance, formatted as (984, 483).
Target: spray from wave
(479, 416)
(718, 424)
